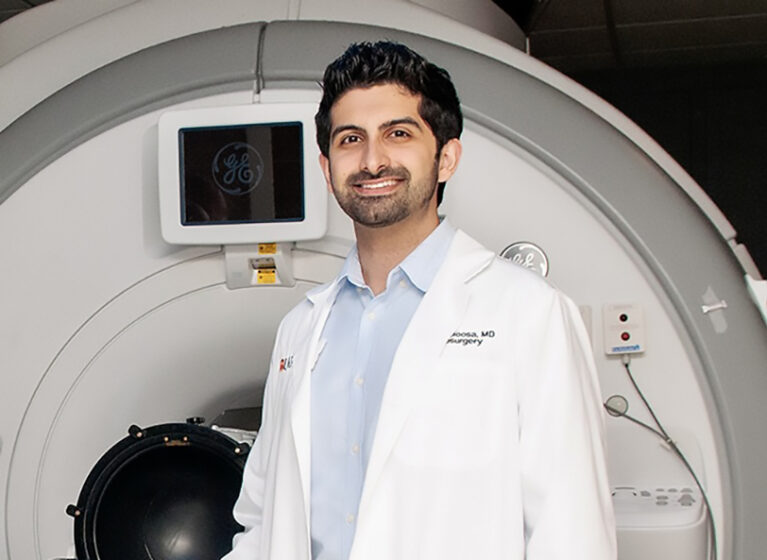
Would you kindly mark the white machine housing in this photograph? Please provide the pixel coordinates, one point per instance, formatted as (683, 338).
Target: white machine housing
(105, 324)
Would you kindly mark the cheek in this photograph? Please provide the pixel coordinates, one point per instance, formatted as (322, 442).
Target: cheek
(340, 165)
(421, 163)
(338, 172)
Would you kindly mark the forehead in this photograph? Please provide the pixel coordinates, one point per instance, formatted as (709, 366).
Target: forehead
(375, 104)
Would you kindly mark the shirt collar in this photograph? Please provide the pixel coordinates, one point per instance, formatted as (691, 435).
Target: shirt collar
(420, 266)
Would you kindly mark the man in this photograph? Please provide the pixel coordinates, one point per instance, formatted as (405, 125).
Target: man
(440, 402)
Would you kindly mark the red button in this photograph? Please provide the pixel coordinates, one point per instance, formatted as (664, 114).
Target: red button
(625, 336)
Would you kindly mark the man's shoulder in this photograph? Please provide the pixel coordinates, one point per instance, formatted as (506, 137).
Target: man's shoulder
(512, 290)
(299, 316)
(496, 274)
(298, 312)
(503, 270)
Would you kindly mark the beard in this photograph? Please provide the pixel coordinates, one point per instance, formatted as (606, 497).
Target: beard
(385, 210)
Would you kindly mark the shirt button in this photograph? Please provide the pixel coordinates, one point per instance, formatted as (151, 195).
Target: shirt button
(359, 381)
(371, 315)
(355, 448)
(402, 283)
(350, 519)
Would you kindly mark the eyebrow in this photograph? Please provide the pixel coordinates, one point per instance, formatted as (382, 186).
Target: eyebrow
(343, 128)
(403, 120)
(394, 122)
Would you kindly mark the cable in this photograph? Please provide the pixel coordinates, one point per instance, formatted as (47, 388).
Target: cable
(663, 434)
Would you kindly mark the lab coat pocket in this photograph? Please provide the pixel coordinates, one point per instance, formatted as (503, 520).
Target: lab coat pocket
(457, 424)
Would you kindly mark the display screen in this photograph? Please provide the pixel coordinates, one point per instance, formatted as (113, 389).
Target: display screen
(249, 173)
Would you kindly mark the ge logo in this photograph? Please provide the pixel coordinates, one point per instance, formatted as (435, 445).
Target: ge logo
(237, 168)
(528, 255)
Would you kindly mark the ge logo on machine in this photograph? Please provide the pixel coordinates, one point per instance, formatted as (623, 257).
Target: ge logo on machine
(237, 168)
(528, 255)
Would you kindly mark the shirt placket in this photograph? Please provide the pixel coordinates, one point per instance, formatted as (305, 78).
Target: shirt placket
(356, 412)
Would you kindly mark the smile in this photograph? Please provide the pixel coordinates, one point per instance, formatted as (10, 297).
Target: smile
(378, 185)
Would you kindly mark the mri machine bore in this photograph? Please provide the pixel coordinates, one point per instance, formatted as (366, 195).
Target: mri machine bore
(105, 325)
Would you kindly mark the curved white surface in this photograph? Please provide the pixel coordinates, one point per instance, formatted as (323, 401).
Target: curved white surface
(49, 64)
(124, 342)
(143, 307)
(140, 361)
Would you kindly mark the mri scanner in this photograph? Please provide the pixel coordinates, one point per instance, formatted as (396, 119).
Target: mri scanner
(108, 329)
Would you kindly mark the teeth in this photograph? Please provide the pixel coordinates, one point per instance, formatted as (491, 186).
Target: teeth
(381, 185)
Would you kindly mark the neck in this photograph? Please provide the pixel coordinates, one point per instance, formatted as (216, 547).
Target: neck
(381, 249)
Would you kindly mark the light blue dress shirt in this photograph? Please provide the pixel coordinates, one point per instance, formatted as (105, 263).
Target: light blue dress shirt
(359, 340)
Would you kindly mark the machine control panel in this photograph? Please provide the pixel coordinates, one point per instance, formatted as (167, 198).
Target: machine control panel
(624, 330)
(660, 506)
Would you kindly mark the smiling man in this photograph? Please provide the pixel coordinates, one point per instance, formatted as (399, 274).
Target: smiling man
(383, 164)
(441, 403)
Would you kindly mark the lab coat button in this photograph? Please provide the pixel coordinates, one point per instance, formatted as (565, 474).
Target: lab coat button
(359, 381)
(355, 448)
(371, 315)
(350, 519)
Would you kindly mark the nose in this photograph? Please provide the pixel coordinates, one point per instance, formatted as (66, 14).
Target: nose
(375, 157)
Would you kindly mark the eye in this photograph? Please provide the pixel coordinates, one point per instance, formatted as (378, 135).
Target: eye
(400, 133)
(350, 139)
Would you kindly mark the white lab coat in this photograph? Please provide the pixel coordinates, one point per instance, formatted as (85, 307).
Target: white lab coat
(489, 442)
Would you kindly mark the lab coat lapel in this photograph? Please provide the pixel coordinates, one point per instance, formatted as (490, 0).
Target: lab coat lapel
(300, 412)
(413, 369)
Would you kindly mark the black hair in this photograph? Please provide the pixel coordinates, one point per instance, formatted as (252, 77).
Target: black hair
(367, 64)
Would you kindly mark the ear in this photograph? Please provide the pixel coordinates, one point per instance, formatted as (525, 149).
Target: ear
(325, 165)
(448, 159)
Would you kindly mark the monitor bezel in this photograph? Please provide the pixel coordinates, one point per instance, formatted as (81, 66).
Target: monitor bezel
(312, 226)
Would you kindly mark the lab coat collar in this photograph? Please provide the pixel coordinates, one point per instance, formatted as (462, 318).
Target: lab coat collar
(320, 294)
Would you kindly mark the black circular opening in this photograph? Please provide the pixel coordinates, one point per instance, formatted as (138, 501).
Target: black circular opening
(167, 495)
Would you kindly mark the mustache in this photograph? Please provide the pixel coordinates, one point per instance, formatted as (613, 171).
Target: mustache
(393, 172)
